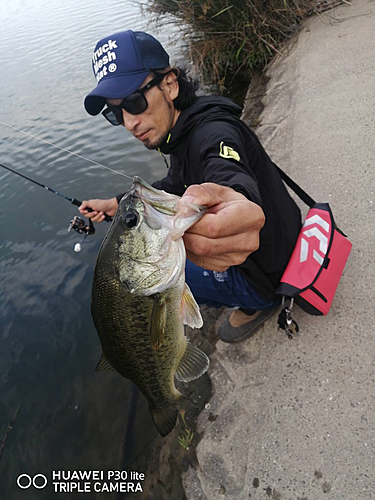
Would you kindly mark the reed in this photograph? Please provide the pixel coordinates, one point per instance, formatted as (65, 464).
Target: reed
(225, 37)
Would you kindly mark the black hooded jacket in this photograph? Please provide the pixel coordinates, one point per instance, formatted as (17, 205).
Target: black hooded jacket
(209, 143)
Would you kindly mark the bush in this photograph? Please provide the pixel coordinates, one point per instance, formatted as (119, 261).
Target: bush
(228, 36)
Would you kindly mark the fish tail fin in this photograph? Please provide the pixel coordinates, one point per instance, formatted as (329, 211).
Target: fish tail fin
(165, 418)
(193, 364)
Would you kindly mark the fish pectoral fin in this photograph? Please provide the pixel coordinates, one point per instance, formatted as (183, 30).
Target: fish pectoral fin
(104, 365)
(164, 418)
(193, 364)
(158, 321)
(189, 309)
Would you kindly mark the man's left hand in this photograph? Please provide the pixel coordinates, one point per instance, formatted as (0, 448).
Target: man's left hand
(229, 230)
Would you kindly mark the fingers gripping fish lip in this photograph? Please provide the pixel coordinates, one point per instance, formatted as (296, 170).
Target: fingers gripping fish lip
(163, 219)
(167, 210)
(162, 209)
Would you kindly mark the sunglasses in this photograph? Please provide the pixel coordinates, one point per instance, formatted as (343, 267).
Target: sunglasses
(134, 104)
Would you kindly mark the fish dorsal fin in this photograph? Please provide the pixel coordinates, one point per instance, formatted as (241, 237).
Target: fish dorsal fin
(158, 321)
(104, 365)
(193, 364)
(189, 309)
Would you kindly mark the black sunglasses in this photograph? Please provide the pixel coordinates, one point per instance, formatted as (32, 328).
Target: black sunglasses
(134, 104)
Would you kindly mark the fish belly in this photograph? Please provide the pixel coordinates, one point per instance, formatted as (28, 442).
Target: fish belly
(122, 321)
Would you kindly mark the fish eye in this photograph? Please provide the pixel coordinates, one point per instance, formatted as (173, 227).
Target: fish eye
(130, 219)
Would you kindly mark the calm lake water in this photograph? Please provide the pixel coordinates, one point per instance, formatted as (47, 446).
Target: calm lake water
(70, 417)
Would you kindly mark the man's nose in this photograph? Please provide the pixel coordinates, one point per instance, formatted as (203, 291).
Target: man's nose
(130, 121)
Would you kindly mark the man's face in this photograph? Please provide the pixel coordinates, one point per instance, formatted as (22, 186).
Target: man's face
(153, 125)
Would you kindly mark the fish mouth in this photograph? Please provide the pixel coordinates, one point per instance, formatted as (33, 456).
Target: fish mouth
(130, 200)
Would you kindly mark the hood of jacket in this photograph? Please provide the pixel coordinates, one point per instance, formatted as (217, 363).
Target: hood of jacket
(205, 108)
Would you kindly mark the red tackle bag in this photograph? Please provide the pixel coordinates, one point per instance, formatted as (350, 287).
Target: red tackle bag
(318, 260)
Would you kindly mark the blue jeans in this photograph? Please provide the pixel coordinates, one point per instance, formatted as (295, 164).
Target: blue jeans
(229, 289)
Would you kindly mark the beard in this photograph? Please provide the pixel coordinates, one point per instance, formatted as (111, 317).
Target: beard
(151, 145)
(159, 141)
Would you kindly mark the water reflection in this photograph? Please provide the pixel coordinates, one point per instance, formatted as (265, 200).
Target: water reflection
(70, 417)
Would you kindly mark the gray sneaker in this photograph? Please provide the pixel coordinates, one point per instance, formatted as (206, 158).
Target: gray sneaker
(229, 333)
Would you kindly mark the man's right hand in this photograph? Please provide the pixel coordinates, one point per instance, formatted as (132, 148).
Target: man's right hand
(99, 207)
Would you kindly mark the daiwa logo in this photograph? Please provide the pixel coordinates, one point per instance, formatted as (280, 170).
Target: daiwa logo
(314, 231)
(102, 56)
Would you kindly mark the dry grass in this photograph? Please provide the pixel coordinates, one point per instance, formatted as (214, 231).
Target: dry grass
(224, 37)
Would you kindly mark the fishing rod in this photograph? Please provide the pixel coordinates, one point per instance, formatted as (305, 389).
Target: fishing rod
(72, 200)
(77, 223)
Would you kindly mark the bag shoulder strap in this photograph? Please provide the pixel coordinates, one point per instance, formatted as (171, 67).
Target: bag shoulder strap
(296, 188)
(303, 195)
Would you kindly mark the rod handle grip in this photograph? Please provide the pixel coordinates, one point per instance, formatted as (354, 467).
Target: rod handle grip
(78, 203)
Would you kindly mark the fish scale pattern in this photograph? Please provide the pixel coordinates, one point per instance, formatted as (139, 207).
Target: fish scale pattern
(132, 320)
(122, 320)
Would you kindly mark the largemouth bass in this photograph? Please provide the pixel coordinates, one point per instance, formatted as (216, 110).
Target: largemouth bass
(140, 301)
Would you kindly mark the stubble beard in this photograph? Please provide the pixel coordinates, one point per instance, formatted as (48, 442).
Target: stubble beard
(161, 140)
(156, 144)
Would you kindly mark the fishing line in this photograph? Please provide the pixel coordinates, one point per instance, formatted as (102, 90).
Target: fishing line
(76, 223)
(66, 150)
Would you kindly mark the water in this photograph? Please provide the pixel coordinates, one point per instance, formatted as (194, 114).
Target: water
(70, 417)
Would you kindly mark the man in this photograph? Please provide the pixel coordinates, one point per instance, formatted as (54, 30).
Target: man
(239, 249)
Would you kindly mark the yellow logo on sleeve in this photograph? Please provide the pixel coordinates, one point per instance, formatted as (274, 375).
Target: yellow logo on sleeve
(227, 152)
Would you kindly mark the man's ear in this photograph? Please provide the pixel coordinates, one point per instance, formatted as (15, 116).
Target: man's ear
(172, 85)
